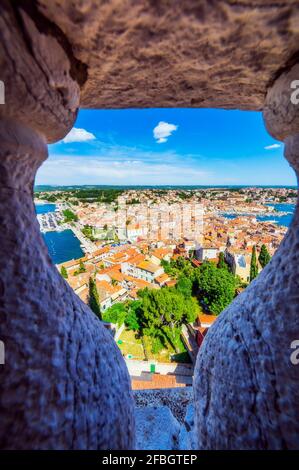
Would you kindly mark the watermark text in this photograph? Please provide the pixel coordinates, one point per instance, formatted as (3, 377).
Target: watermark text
(2, 92)
(294, 357)
(295, 93)
(2, 353)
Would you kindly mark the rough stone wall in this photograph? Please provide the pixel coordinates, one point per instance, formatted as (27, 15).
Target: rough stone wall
(245, 383)
(182, 53)
(246, 388)
(64, 384)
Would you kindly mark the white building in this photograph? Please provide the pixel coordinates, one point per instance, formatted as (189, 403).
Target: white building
(206, 253)
(145, 270)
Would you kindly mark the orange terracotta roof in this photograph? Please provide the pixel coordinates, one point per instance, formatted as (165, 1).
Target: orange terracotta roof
(101, 251)
(156, 381)
(72, 262)
(110, 269)
(206, 319)
(136, 259)
(139, 283)
(133, 294)
(196, 263)
(148, 266)
(90, 268)
(108, 288)
(171, 283)
(161, 252)
(162, 278)
(84, 294)
(117, 275)
(78, 281)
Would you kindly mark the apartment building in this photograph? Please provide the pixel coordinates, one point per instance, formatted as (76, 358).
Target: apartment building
(145, 270)
(239, 263)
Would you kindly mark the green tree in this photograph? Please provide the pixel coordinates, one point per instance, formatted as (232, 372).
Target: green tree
(93, 298)
(264, 256)
(52, 198)
(215, 287)
(165, 309)
(69, 216)
(157, 345)
(178, 267)
(132, 320)
(253, 265)
(221, 261)
(82, 268)
(63, 272)
(168, 268)
(184, 286)
(88, 232)
(115, 314)
(192, 310)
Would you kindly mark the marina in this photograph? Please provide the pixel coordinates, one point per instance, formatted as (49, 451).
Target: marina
(62, 242)
(281, 215)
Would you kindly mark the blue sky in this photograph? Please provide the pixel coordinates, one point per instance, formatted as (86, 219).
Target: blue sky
(167, 146)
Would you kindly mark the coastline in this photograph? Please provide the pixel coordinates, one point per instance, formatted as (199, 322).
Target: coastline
(62, 246)
(280, 218)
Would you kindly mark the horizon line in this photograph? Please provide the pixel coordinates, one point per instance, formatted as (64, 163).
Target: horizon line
(169, 185)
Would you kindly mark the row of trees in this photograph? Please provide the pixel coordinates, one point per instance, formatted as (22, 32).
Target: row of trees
(107, 195)
(88, 232)
(93, 295)
(160, 313)
(264, 258)
(82, 269)
(93, 298)
(213, 286)
(69, 216)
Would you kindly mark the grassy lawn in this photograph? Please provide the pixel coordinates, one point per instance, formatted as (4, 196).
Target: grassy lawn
(168, 354)
(162, 356)
(132, 345)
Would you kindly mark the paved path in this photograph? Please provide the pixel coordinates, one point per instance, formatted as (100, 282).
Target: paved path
(88, 246)
(190, 343)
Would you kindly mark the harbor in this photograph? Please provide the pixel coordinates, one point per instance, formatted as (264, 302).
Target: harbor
(64, 242)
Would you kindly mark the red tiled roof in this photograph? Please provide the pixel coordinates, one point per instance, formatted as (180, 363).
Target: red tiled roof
(156, 381)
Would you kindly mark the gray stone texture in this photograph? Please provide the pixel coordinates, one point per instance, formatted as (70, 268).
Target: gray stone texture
(245, 385)
(156, 429)
(65, 384)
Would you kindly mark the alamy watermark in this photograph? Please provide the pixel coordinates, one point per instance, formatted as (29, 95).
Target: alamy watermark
(2, 353)
(294, 357)
(295, 93)
(2, 92)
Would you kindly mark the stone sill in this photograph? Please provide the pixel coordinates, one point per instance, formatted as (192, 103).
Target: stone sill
(164, 419)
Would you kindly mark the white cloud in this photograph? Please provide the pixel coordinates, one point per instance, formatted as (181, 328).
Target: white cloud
(101, 170)
(163, 130)
(273, 146)
(78, 135)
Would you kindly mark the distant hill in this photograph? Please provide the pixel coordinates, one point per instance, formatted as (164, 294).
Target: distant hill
(47, 188)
